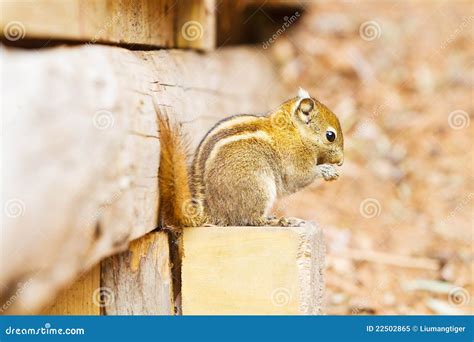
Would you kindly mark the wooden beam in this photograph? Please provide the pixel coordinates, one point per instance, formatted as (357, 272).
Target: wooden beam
(81, 144)
(252, 271)
(140, 278)
(82, 298)
(135, 282)
(196, 24)
(143, 22)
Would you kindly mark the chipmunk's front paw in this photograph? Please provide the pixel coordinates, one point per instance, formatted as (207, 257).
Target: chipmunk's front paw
(328, 172)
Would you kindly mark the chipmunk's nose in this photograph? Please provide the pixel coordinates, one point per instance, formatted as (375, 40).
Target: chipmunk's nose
(341, 160)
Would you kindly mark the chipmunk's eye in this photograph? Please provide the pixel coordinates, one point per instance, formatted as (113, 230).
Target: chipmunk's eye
(330, 135)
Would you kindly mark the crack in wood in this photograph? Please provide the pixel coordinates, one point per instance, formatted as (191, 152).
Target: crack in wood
(188, 88)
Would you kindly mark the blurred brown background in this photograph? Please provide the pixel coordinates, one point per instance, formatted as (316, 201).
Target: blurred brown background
(398, 222)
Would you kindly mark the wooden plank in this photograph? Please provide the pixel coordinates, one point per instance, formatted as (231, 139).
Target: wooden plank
(196, 24)
(140, 278)
(80, 138)
(82, 298)
(252, 271)
(143, 22)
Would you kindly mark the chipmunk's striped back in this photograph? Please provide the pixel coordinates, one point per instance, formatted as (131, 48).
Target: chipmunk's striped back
(227, 130)
(218, 152)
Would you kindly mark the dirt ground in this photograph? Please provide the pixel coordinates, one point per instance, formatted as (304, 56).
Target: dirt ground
(398, 222)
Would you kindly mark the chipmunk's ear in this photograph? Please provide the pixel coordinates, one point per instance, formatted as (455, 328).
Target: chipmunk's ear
(306, 106)
(303, 110)
(306, 103)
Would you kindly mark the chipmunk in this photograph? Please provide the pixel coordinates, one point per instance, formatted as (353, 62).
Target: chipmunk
(245, 162)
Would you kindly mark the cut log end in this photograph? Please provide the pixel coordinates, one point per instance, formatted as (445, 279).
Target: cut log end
(253, 270)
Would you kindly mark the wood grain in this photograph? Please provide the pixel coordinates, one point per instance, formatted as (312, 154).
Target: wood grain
(143, 22)
(82, 298)
(252, 271)
(140, 278)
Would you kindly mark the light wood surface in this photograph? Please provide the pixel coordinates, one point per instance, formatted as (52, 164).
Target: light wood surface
(132, 22)
(252, 271)
(140, 278)
(81, 298)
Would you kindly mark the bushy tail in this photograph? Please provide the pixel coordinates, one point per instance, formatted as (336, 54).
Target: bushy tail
(177, 206)
(177, 209)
